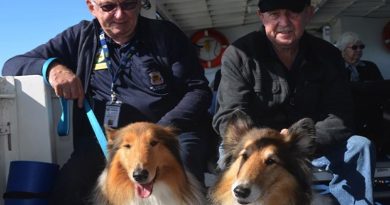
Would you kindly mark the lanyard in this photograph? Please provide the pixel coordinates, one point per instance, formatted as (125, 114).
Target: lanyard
(63, 124)
(125, 58)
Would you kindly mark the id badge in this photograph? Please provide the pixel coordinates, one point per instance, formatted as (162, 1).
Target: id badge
(111, 116)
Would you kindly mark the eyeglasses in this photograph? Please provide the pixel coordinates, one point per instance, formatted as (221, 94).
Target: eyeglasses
(355, 47)
(110, 7)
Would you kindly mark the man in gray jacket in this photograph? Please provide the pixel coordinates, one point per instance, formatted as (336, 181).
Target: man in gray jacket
(282, 74)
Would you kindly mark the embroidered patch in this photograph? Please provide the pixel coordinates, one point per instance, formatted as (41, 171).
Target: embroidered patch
(156, 78)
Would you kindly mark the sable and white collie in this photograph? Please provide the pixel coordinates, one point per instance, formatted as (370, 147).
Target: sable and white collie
(265, 167)
(144, 168)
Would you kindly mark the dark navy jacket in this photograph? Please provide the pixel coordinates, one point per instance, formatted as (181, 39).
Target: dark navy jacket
(180, 97)
(368, 71)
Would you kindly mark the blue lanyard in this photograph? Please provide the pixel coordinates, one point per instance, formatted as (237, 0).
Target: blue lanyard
(125, 58)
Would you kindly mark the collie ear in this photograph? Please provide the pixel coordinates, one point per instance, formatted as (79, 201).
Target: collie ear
(169, 134)
(301, 136)
(172, 130)
(238, 124)
(110, 133)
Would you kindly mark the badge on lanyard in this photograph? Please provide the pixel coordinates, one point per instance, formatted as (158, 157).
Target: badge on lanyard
(111, 116)
(113, 108)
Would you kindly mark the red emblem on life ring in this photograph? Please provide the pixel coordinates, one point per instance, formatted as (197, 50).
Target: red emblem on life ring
(212, 44)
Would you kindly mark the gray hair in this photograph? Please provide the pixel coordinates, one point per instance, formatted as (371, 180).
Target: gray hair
(347, 38)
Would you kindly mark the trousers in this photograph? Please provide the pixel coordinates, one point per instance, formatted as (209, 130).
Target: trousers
(352, 165)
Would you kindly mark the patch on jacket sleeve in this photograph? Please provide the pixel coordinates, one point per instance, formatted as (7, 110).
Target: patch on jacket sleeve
(156, 78)
(157, 83)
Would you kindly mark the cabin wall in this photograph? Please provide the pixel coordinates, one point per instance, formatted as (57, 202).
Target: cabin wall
(232, 34)
(150, 13)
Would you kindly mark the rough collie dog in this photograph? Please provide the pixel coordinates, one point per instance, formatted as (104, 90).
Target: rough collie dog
(265, 167)
(144, 168)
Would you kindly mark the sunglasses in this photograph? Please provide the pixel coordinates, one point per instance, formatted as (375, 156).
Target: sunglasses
(110, 7)
(355, 47)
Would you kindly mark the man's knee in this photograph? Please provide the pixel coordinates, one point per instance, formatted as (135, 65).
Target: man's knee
(193, 151)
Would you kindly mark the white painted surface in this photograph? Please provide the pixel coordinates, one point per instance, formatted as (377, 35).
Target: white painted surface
(28, 121)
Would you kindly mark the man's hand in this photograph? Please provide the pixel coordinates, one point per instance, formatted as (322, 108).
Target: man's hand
(65, 83)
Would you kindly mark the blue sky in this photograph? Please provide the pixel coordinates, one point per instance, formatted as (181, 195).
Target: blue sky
(25, 24)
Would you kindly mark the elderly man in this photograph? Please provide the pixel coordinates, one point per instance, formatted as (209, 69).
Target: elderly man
(281, 74)
(149, 71)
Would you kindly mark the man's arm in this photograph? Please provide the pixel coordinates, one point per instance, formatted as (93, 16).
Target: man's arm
(336, 121)
(188, 77)
(234, 90)
(53, 60)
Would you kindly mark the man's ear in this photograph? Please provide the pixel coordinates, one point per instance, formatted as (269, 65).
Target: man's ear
(309, 13)
(90, 6)
(260, 15)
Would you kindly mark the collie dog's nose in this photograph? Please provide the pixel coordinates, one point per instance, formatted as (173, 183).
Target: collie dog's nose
(140, 175)
(241, 192)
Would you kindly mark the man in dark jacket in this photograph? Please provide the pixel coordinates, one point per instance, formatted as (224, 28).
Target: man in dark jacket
(149, 69)
(282, 74)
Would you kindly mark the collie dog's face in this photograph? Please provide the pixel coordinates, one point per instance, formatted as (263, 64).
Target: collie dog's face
(143, 150)
(262, 163)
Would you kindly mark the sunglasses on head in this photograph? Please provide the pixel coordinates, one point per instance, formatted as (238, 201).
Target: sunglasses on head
(109, 7)
(355, 47)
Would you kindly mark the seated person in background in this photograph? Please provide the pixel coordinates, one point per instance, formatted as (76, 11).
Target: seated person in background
(368, 96)
(149, 68)
(281, 74)
(351, 48)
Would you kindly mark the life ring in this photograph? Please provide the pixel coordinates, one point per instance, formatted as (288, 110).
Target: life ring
(211, 45)
(386, 35)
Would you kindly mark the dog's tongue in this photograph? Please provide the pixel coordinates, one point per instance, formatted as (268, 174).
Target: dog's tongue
(144, 190)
